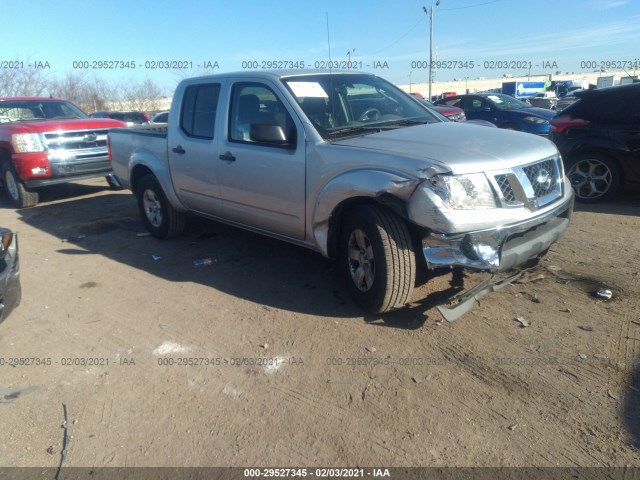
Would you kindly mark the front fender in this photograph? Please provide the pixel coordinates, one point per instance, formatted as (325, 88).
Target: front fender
(355, 184)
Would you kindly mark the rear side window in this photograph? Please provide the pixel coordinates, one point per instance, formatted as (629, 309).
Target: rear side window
(610, 107)
(199, 106)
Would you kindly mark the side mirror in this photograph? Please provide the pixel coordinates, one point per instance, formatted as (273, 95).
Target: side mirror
(269, 133)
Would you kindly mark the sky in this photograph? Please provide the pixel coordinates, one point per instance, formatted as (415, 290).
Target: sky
(137, 39)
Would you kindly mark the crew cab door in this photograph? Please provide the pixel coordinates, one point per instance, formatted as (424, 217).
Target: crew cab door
(262, 162)
(193, 149)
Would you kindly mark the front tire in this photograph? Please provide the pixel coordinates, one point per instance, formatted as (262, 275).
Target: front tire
(14, 188)
(377, 258)
(595, 177)
(160, 218)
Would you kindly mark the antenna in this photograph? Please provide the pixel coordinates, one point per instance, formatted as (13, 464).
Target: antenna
(328, 39)
(332, 93)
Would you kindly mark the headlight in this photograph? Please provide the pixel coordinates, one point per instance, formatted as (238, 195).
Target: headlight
(534, 120)
(27, 142)
(464, 192)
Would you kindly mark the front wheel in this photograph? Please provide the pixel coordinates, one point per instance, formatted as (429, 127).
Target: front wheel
(16, 192)
(377, 258)
(160, 218)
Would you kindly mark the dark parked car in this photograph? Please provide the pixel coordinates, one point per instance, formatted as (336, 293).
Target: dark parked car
(599, 139)
(161, 117)
(132, 117)
(503, 111)
(10, 291)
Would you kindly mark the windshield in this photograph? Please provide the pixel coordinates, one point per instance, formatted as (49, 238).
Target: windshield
(506, 102)
(38, 109)
(344, 104)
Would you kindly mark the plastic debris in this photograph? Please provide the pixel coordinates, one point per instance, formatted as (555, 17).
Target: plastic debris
(156, 257)
(370, 349)
(523, 322)
(604, 294)
(202, 262)
(586, 328)
(74, 238)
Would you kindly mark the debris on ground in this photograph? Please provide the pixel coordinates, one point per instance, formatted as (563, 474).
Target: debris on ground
(523, 322)
(603, 293)
(203, 262)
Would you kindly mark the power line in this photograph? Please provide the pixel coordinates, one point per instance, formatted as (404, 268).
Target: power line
(404, 35)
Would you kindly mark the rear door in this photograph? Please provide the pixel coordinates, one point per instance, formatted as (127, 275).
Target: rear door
(193, 149)
(262, 183)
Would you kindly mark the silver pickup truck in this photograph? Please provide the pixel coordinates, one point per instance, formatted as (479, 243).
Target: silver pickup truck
(347, 164)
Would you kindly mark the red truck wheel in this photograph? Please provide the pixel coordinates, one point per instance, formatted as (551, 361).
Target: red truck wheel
(16, 192)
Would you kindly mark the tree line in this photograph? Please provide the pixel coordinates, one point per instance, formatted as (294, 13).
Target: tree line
(88, 91)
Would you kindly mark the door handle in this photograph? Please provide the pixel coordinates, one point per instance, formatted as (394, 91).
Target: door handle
(227, 157)
(179, 150)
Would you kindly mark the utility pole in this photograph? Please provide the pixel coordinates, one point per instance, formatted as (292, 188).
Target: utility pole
(430, 12)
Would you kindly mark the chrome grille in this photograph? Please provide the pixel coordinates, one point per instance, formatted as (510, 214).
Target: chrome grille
(80, 142)
(534, 185)
(505, 188)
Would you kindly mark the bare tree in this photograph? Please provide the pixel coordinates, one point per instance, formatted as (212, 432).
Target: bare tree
(22, 82)
(145, 95)
(89, 92)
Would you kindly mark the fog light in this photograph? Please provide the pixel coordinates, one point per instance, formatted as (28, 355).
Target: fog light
(39, 170)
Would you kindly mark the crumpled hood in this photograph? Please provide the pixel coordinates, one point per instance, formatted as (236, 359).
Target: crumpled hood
(458, 147)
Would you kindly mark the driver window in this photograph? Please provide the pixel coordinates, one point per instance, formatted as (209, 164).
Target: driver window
(256, 104)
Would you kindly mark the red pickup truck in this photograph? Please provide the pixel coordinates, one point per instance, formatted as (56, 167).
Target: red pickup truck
(44, 141)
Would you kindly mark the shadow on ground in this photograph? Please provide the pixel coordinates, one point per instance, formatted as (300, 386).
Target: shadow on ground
(90, 220)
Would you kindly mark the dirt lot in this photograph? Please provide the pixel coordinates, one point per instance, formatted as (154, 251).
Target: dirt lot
(261, 359)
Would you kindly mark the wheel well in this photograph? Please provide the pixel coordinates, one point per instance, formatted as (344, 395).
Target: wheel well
(397, 205)
(138, 172)
(4, 155)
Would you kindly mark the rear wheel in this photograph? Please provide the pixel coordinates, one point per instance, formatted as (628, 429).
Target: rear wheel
(160, 218)
(14, 188)
(377, 258)
(594, 177)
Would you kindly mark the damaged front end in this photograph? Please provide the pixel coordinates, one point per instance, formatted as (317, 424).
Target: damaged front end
(492, 222)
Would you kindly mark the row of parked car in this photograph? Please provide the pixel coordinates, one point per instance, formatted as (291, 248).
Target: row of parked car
(597, 133)
(132, 117)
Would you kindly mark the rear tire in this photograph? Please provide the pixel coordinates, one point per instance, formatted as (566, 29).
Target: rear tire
(595, 177)
(160, 218)
(377, 258)
(16, 192)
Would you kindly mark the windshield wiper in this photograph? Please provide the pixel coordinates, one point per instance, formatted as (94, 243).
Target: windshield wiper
(377, 127)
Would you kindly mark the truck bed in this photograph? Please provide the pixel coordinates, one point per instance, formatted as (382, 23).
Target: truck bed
(145, 144)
